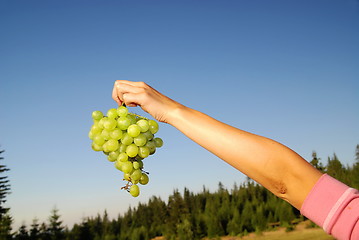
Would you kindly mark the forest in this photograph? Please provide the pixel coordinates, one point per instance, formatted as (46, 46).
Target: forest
(247, 207)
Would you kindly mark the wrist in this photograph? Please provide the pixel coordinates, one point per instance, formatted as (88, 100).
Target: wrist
(175, 113)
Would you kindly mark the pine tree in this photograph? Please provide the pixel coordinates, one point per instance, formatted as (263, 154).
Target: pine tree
(260, 220)
(184, 230)
(22, 233)
(316, 162)
(5, 227)
(246, 218)
(4, 188)
(56, 229)
(5, 219)
(234, 226)
(213, 221)
(176, 209)
(105, 224)
(335, 168)
(285, 213)
(355, 170)
(34, 231)
(44, 232)
(80, 232)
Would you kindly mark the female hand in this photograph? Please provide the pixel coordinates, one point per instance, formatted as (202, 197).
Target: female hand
(140, 94)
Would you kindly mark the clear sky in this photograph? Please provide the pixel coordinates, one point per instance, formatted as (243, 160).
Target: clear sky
(288, 70)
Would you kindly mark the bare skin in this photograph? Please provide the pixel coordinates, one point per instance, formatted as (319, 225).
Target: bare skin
(273, 165)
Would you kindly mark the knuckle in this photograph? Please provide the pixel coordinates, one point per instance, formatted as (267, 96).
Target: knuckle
(142, 84)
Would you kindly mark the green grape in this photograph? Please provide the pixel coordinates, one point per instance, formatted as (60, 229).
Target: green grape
(126, 139)
(122, 111)
(110, 124)
(112, 156)
(141, 164)
(136, 175)
(143, 152)
(105, 148)
(116, 134)
(96, 147)
(140, 140)
(123, 122)
(148, 135)
(110, 159)
(101, 122)
(105, 134)
(144, 179)
(134, 130)
(135, 181)
(119, 165)
(99, 140)
(97, 115)
(151, 146)
(127, 176)
(127, 167)
(132, 118)
(91, 135)
(158, 142)
(143, 124)
(153, 126)
(136, 165)
(112, 113)
(122, 148)
(122, 157)
(132, 150)
(96, 128)
(153, 152)
(134, 190)
(112, 145)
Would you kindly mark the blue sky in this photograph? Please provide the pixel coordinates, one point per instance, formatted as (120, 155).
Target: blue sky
(288, 70)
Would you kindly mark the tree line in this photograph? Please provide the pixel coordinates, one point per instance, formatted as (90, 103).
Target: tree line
(244, 208)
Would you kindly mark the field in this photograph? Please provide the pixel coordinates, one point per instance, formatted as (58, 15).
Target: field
(300, 233)
(307, 234)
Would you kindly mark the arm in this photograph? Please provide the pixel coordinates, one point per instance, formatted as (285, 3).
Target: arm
(268, 162)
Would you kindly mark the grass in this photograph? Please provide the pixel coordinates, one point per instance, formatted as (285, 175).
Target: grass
(301, 232)
(307, 234)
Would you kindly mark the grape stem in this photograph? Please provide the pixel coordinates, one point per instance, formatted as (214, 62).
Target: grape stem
(136, 115)
(123, 104)
(127, 186)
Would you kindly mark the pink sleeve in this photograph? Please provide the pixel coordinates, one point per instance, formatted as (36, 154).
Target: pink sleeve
(335, 207)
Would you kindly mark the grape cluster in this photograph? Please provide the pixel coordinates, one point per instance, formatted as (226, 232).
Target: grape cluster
(126, 139)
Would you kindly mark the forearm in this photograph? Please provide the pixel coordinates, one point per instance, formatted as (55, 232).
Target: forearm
(268, 162)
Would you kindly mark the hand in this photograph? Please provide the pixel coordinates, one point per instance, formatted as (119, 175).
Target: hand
(140, 94)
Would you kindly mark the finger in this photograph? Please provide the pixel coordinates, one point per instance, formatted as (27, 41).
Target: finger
(122, 87)
(127, 86)
(138, 84)
(115, 95)
(129, 92)
(119, 89)
(131, 99)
